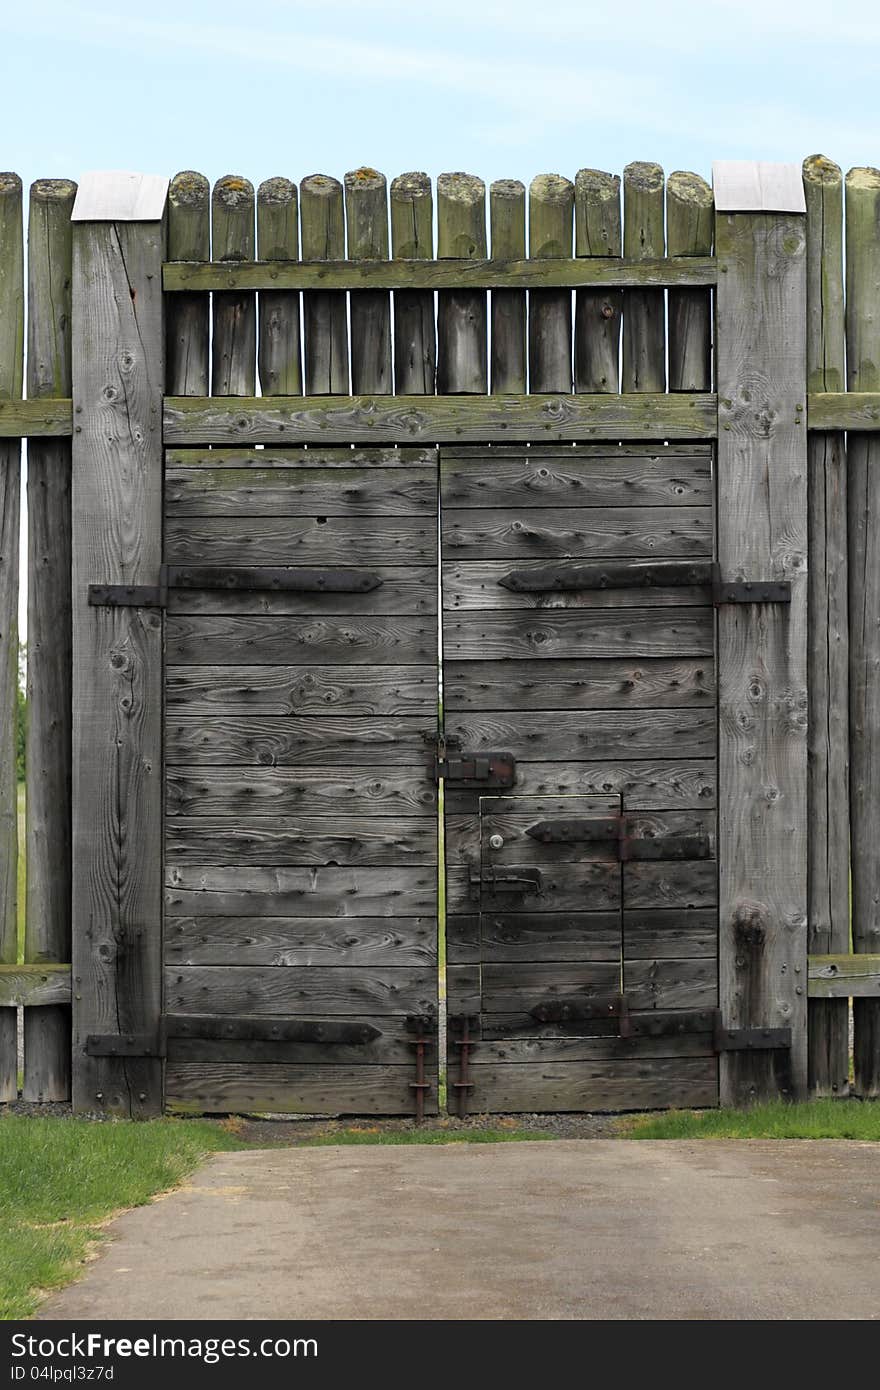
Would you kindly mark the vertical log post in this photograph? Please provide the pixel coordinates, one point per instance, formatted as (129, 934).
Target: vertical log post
(11, 380)
(47, 930)
(828, 638)
(863, 499)
(762, 535)
(690, 219)
(234, 343)
(278, 352)
(462, 350)
(597, 313)
(551, 204)
(507, 217)
(644, 319)
(366, 219)
(188, 315)
(118, 376)
(412, 239)
(322, 232)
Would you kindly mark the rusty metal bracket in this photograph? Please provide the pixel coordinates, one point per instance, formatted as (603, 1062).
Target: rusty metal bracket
(422, 1026)
(463, 1024)
(519, 880)
(476, 769)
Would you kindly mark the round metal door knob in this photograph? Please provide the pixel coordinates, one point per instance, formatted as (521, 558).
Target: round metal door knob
(496, 841)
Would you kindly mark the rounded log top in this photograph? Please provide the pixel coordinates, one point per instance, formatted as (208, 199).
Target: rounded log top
(189, 189)
(277, 191)
(320, 186)
(411, 186)
(507, 188)
(643, 176)
(368, 179)
(818, 168)
(863, 177)
(233, 191)
(596, 185)
(53, 190)
(551, 188)
(689, 188)
(461, 188)
(9, 184)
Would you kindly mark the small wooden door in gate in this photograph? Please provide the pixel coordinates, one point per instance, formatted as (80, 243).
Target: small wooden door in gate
(580, 726)
(301, 820)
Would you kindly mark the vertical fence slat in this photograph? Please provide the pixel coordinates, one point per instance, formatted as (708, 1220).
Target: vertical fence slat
(507, 216)
(118, 377)
(412, 238)
(188, 315)
(322, 233)
(11, 364)
(551, 205)
(690, 218)
(644, 327)
(47, 930)
(828, 638)
(462, 349)
(863, 503)
(762, 535)
(279, 339)
(366, 219)
(234, 342)
(597, 312)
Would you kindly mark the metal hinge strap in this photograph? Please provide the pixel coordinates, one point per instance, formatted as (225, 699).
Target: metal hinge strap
(233, 579)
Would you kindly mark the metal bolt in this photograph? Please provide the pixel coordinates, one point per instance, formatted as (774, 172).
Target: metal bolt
(496, 841)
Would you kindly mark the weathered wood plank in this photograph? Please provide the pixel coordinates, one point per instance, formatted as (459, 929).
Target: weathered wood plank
(303, 791)
(278, 344)
(300, 941)
(690, 220)
(408, 590)
(686, 884)
(567, 532)
(840, 977)
(570, 736)
(301, 840)
(299, 491)
(188, 316)
(507, 217)
(509, 988)
(855, 411)
(325, 310)
(569, 633)
(542, 478)
(315, 457)
(50, 704)
(366, 215)
(262, 1040)
(195, 1087)
(118, 375)
(551, 207)
(462, 340)
(522, 936)
(645, 785)
(578, 684)
(205, 638)
(589, 886)
(412, 237)
(351, 691)
(671, 984)
(332, 540)
(828, 835)
(650, 1083)
(762, 513)
(38, 419)
(234, 335)
(280, 741)
(476, 585)
(644, 325)
(326, 991)
(513, 818)
(458, 419)
(651, 933)
(597, 311)
(42, 986)
(541, 1051)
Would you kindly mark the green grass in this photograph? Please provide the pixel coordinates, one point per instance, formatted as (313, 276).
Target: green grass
(817, 1119)
(60, 1179)
(425, 1136)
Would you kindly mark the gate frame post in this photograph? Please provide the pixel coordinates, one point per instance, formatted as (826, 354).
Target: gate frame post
(761, 380)
(118, 382)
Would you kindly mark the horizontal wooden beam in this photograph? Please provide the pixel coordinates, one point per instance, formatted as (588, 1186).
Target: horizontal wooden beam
(600, 271)
(43, 418)
(437, 419)
(843, 410)
(844, 977)
(34, 984)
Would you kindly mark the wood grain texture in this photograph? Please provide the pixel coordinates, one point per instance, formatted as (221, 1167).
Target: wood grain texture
(326, 991)
(188, 316)
(656, 1083)
(507, 218)
(278, 341)
(863, 502)
(597, 312)
(462, 328)
(511, 937)
(38, 419)
(118, 375)
(412, 238)
(690, 224)
(404, 590)
(306, 791)
(579, 684)
(568, 633)
(325, 312)
(299, 491)
(605, 734)
(644, 327)
(202, 638)
(858, 412)
(234, 331)
(257, 1041)
(289, 1089)
(762, 510)
(275, 742)
(349, 691)
(49, 673)
(316, 456)
(567, 532)
(323, 540)
(366, 217)
(302, 942)
(837, 977)
(301, 840)
(827, 627)
(572, 477)
(671, 984)
(39, 986)
(551, 209)
(686, 782)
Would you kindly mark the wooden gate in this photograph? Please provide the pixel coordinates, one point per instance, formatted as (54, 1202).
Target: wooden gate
(580, 727)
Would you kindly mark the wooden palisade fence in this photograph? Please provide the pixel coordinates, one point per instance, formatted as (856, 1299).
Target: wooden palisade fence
(584, 347)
